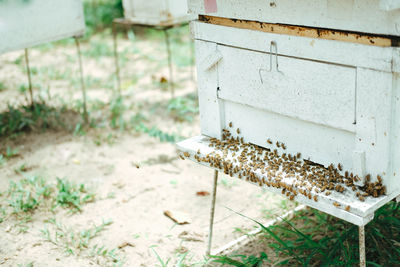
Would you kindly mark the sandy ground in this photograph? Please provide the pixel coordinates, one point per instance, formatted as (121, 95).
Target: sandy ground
(136, 177)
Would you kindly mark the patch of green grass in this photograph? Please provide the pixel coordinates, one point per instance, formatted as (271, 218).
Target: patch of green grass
(98, 49)
(27, 194)
(2, 86)
(26, 118)
(117, 109)
(99, 14)
(313, 238)
(71, 195)
(242, 260)
(179, 259)
(30, 193)
(11, 153)
(153, 131)
(79, 241)
(182, 109)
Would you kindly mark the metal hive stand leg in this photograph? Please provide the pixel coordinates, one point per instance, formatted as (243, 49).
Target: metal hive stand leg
(116, 61)
(192, 60)
(361, 237)
(214, 194)
(171, 77)
(85, 114)
(28, 71)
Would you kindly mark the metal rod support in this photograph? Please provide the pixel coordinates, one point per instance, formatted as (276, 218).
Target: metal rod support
(214, 195)
(361, 238)
(28, 71)
(78, 49)
(116, 61)
(171, 77)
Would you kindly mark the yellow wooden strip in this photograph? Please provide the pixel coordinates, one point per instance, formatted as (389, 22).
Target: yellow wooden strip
(327, 34)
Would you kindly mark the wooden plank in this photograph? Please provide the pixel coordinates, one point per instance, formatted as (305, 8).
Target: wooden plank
(348, 15)
(309, 32)
(359, 213)
(304, 89)
(343, 53)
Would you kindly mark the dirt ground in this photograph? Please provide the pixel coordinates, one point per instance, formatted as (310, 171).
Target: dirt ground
(135, 176)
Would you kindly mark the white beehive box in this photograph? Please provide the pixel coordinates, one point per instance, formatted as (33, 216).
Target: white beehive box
(332, 95)
(26, 23)
(156, 12)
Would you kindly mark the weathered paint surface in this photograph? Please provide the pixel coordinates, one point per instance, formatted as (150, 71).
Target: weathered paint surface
(369, 16)
(25, 24)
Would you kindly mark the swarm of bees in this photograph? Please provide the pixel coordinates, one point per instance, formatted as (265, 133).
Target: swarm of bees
(289, 173)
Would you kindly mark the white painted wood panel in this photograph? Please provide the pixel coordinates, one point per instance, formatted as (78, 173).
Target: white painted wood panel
(369, 16)
(28, 23)
(343, 53)
(318, 143)
(394, 181)
(303, 89)
(156, 12)
(209, 105)
(374, 115)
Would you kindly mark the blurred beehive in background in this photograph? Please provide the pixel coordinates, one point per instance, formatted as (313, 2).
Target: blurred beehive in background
(156, 12)
(24, 24)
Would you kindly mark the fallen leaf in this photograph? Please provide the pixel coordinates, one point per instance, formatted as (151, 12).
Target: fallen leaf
(178, 217)
(126, 244)
(202, 193)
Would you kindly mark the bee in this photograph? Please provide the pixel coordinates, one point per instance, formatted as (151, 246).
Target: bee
(186, 154)
(340, 167)
(269, 141)
(198, 151)
(231, 124)
(328, 193)
(278, 144)
(283, 146)
(291, 197)
(238, 131)
(347, 208)
(336, 204)
(315, 198)
(361, 198)
(181, 157)
(379, 178)
(368, 177)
